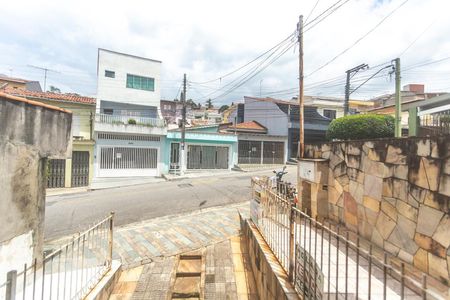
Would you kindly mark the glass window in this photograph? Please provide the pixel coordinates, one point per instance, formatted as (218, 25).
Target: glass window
(140, 82)
(329, 113)
(110, 74)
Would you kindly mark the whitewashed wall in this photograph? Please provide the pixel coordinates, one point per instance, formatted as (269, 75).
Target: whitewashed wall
(114, 89)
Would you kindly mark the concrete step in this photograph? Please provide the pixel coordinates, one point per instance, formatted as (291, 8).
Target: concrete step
(187, 283)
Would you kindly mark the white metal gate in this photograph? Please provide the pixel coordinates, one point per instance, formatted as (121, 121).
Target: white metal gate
(128, 161)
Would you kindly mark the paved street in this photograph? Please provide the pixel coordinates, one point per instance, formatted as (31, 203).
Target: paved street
(67, 214)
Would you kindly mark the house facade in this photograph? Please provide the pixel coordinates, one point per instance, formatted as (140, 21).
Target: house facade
(78, 169)
(281, 118)
(204, 116)
(333, 108)
(19, 83)
(255, 146)
(410, 94)
(172, 111)
(206, 149)
(129, 128)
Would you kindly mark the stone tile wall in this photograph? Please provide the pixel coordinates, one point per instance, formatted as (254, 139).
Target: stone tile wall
(395, 193)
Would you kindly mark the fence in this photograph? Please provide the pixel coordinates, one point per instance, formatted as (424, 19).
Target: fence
(67, 273)
(120, 119)
(324, 261)
(435, 123)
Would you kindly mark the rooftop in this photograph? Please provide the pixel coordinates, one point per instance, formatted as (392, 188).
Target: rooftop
(129, 55)
(69, 97)
(31, 102)
(12, 79)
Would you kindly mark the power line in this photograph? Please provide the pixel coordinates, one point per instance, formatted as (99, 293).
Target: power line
(359, 39)
(312, 10)
(250, 62)
(416, 39)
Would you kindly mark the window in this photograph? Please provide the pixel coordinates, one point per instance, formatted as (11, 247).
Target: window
(110, 74)
(108, 111)
(75, 125)
(329, 113)
(140, 82)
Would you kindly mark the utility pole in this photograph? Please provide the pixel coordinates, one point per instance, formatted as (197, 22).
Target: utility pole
(398, 102)
(350, 74)
(301, 141)
(183, 127)
(45, 73)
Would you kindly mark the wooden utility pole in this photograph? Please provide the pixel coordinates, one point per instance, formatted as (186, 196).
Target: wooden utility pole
(301, 141)
(398, 102)
(183, 127)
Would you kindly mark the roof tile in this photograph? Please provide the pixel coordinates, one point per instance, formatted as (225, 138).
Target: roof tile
(49, 96)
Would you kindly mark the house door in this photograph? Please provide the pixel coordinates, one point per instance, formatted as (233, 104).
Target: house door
(175, 156)
(56, 173)
(80, 168)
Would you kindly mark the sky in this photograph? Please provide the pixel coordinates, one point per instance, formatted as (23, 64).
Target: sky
(209, 39)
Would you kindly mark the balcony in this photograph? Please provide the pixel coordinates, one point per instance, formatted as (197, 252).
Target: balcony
(130, 124)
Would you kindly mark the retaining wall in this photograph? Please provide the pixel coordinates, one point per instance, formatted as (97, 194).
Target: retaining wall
(395, 193)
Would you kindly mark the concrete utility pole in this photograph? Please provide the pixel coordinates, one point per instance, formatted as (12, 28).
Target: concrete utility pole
(45, 73)
(183, 127)
(350, 74)
(301, 141)
(398, 102)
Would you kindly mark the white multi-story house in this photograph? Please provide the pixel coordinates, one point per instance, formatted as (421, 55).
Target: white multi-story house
(129, 129)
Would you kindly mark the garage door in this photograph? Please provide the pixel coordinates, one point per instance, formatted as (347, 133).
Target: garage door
(249, 152)
(128, 161)
(273, 152)
(207, 157)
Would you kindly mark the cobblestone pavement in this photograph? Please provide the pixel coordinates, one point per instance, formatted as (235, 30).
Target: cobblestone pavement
(140, 243)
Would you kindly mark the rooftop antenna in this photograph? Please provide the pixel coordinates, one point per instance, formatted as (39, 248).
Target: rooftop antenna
(45, 73)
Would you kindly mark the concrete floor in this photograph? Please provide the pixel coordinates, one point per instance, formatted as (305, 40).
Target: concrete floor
(68, 214)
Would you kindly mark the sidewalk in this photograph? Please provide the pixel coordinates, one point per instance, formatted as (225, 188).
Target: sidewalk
(66, 191)
(150, 253)
(227, 275)
(142, 242)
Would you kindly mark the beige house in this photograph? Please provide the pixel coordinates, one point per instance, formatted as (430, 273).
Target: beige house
(77, 170)
(19, 83)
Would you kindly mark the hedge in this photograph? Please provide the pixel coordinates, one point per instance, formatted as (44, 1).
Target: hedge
(356, 127)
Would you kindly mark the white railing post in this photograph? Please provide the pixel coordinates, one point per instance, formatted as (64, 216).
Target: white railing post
(111, 227)
(11, 278)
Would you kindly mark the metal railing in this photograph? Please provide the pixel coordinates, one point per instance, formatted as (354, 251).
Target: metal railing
(130, 120)
(326, 261)
(67, 273)
(435, 123)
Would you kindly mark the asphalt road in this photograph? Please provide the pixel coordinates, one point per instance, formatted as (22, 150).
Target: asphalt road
(68, 214)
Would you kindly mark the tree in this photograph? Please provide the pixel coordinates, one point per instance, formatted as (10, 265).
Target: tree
(223, 108)
(209, 104)
(54, 89)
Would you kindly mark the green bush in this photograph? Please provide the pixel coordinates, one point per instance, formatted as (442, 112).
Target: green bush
(356, 127)
(132, 121)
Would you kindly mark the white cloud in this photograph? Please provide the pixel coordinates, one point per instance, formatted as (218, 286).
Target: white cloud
(207, 39)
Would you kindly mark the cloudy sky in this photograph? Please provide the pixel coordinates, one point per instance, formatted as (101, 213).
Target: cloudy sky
(209, 39)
